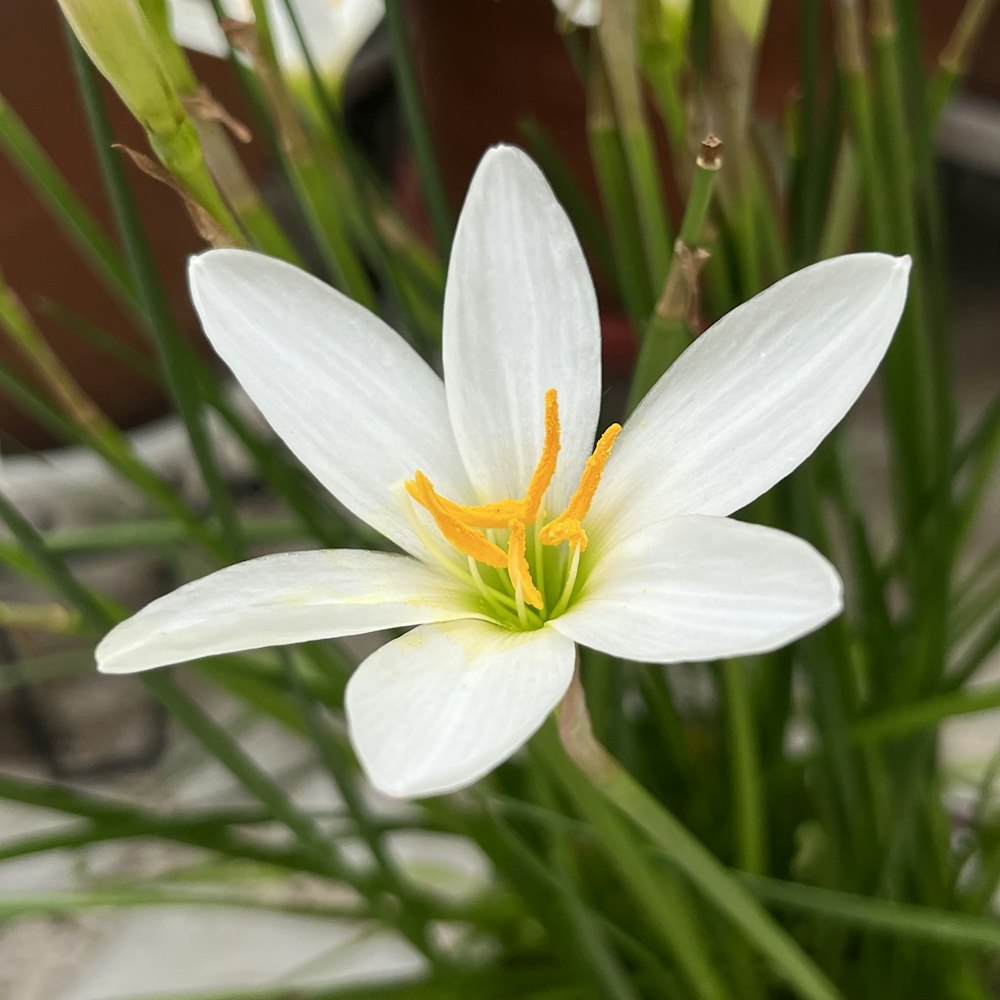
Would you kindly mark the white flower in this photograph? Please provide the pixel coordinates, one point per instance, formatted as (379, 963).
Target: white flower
(334, 29)
(642, 562)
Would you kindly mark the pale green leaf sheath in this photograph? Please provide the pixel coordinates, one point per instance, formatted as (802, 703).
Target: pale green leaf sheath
(521, 537)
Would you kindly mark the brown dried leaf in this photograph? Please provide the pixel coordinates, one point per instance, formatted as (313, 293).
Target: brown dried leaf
(206, 226)
(203, 107)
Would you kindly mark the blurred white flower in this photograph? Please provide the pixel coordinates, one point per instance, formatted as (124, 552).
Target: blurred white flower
(334, 29)
(585, 13)
(521, 539)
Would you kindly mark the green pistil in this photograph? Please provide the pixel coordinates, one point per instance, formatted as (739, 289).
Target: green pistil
(555, 570)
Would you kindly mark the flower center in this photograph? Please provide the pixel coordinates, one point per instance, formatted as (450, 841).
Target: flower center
(511, 536)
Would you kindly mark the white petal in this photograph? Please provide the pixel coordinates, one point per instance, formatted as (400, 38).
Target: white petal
(753, 397)
(334, 29)
(585, 13)
(277, 599)
(355, 403)
(700, 588)
(195, 26)
(520, 317)
(442, 706)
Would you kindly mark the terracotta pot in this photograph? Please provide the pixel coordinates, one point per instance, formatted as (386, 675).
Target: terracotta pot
(39, 262)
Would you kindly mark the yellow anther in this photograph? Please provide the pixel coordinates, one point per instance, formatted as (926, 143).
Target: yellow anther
(463, 537)
(517, 566)
(464, 526)
(502, 512)
(546, 467)
(567, 526)
(565, 529)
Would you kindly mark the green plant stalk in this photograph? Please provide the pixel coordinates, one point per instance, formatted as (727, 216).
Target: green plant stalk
(915, 923)
(931, 422)
(773, 240)
(424, 153)
(607, 967)
(411, 917)
(921, 365)
(663, 342)
(321, 196)
(78, 420)
(287, 479)
(70, 903)
(312, 178)
(908, 457)
(65, 207)
(19, 327)
(616, 34)
(745, 782)
(690, 857)
(667, 333)
(953, 63)
(663, 80)
(640, 157)
(665, 901)
(803, 131)
(551, 898)
(241, 193)
(109, 820)
(908, 720)
(841, 213)
(742, 217)
(569, 193)
(619, 209)
(174, 357)
(413, 278)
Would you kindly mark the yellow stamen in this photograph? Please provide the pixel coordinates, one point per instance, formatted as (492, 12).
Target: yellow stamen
(463, 537)
(487, 515)
(546, 467)
(467, 527)
(567, 526)
(517, 566)
(502, 512)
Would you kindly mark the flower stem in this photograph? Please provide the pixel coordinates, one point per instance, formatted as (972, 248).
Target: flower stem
(616, 198)
(687, 853)
(616, 34)
(957, 54)
(746, 785)
(668, 331)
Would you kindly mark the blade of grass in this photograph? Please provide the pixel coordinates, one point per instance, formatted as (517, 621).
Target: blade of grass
(914, 922)
(689, 855)
(66, 208)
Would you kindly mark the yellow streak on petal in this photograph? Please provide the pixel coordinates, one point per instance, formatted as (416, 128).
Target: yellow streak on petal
(463, 537)
(567, 526)
(517, 566)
